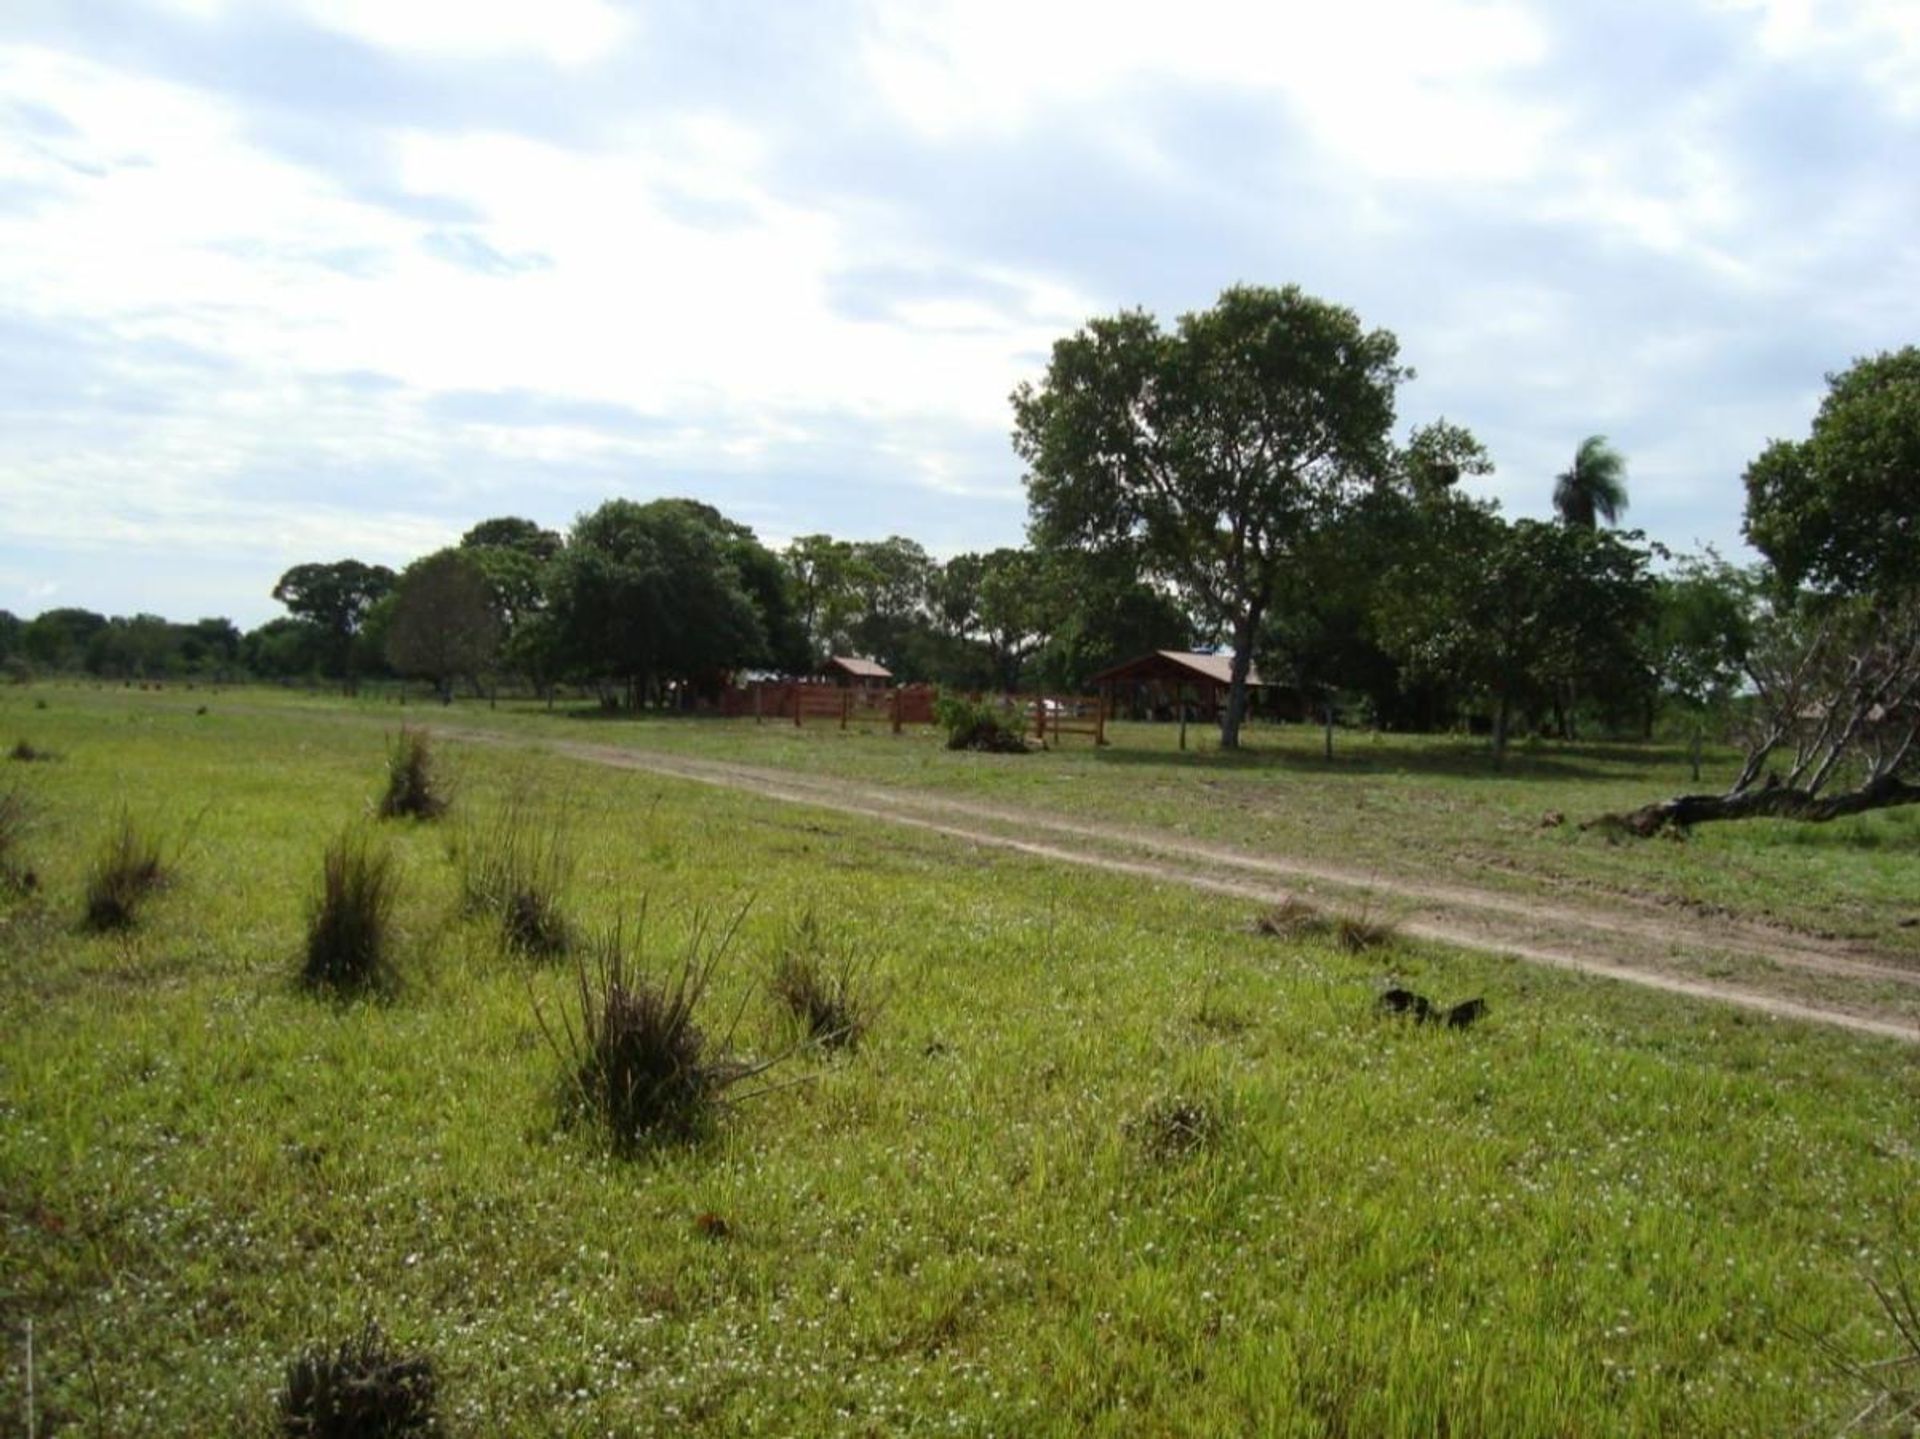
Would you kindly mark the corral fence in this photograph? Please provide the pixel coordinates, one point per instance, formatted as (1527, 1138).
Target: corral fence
(1055, 716)
(847, 706)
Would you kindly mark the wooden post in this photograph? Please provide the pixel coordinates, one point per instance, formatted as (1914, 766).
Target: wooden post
(794, 691)
(758, 692)
(1180, 698)
(1100, 719)
(1329, 707)
(846, 706)
(897, 693)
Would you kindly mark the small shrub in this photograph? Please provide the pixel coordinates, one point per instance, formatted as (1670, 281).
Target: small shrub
(364, 1389)
(1175, 1128)
(824, 994)
(413, 788)
(982, 727)
(638, 1061)
(16, 817)
(350, 920)
(128, 868)
(26, 752)
(517, 872)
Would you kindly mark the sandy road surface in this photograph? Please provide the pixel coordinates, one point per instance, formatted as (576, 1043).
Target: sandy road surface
(1633, 940)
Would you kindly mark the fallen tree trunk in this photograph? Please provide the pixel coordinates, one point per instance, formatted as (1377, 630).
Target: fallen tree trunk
(1767, 802)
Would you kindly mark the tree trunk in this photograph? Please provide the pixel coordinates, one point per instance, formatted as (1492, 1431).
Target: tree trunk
(1769, 802)
(1244, 630)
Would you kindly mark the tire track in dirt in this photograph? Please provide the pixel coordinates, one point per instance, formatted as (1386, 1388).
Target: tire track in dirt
(1550, 933)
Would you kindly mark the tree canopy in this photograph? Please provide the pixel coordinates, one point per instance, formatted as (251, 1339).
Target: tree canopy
(1840, 510)
(1212, 451)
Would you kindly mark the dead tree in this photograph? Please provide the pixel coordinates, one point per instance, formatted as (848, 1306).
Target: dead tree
(1836, 715)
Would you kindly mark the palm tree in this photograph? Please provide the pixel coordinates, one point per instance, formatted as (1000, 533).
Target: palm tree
(1595, 488)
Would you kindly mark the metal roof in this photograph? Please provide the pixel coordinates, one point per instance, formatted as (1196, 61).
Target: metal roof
(860, 669)
(1185, 664)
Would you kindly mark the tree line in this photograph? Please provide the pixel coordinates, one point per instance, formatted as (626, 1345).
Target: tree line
(1229, 482)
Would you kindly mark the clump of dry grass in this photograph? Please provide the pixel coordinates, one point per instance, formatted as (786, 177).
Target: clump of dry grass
(127, 869)
(364, 1387)
(414, 789)
(1358, 933)
(26, 752)
(1176, 1127)
(350, 919)
(825, 994)
(637, 1058)
(517, 871)
(1295, 919)
(1292, 919)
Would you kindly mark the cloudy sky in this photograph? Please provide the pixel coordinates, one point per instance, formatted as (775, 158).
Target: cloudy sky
(287, 280)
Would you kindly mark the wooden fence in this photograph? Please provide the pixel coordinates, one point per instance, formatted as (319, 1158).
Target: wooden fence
(1054, 717)
(846, 706)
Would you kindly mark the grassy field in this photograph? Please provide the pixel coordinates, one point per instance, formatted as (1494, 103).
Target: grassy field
(1106, 1161)
(1407, 804)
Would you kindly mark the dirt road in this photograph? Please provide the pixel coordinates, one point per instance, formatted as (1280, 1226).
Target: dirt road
(1633, 940)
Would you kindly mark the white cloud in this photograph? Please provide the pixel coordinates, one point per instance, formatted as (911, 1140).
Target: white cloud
(1400, 89)
(565, 32)
(1878, 40)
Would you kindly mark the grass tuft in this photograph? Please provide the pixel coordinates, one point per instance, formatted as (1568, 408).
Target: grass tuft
(516, 872)
(1176, 1127)
(1292, 919)
(350, 920)
(414, 789)
(16, 817)
(128, 868)
(1358, 933)
(824, 994)
(638, 1061)
(26, 752)
(363, 1389)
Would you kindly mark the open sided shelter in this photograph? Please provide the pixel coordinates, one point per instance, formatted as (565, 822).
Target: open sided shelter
(1160, 681)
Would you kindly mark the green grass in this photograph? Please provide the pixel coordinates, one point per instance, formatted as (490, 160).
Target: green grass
(1396, 804)
(1597, 1212)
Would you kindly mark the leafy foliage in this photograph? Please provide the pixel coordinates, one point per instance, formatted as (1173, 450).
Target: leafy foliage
(1838, 509)
(978, 725)
(444, 625)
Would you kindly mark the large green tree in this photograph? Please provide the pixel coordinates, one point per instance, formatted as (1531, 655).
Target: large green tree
(654, 593)
(335, 598)
(1840, 510)
(444, 626)
(1212, 451)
